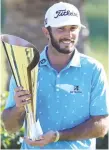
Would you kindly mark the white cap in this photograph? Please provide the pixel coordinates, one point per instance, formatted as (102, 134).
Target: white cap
(62, 14)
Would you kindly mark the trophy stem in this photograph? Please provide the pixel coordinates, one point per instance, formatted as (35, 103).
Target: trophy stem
(31, 129)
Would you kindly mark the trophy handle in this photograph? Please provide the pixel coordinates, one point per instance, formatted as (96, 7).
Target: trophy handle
(34, 61)
(31, 66)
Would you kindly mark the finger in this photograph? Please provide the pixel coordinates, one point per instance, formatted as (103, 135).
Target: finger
(25, 97)
(22, 93)
(34, 143)
(30, 142)
(18, 88)
(21, 101)
(25, 102)
(41, 137)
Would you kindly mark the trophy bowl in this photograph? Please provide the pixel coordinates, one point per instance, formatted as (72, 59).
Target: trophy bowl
(23, 58)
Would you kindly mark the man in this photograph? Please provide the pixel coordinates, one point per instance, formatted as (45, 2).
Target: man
(72, 93)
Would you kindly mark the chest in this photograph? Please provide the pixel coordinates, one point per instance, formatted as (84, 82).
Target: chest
(71, 82)
(63, 98)
(69, 88)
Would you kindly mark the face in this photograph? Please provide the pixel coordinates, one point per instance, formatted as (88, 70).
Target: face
(64, 39)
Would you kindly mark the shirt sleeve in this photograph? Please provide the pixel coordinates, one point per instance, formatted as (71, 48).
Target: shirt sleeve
(10, 102)
(99, 102)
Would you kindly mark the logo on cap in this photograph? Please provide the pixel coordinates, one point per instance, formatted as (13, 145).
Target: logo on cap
(65, 13)
(45, 22)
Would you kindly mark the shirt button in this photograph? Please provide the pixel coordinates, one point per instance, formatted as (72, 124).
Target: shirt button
(58, 76)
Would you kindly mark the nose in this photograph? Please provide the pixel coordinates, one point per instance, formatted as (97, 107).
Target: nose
(69, 34)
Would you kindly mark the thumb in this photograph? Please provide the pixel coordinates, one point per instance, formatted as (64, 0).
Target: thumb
(41, 137)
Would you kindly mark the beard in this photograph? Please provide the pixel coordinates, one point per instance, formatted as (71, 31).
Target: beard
(57, 45)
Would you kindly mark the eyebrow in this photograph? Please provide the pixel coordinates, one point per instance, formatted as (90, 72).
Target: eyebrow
(73, 26)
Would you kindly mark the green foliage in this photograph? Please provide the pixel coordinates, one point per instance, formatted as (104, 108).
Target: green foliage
(97, 16)
(9, 141)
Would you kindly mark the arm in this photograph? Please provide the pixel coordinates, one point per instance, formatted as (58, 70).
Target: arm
(13, 118)
(14, 112)
(96, 126)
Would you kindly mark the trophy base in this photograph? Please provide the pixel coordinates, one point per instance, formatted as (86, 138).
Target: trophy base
(35, 131)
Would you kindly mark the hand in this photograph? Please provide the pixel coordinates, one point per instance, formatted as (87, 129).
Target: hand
(22, 97)
(45, 139)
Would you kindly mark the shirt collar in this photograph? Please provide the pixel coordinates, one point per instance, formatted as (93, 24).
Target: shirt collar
(43, 57)
(75, 61)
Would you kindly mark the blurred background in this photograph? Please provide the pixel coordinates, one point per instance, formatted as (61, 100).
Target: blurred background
(24, 18)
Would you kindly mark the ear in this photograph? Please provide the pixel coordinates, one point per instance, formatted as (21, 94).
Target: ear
(45, 31)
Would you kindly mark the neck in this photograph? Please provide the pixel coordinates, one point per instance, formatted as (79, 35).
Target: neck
(58, 60)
